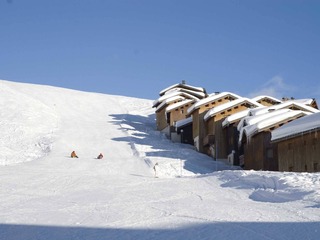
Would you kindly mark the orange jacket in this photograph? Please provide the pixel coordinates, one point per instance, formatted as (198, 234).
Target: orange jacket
(73, 154)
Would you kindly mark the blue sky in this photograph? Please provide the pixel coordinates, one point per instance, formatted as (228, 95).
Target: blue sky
(139, 47)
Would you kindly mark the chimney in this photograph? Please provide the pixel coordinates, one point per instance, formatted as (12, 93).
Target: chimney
(183, 81)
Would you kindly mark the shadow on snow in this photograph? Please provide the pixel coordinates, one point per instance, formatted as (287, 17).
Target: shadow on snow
(217, 230)
(141, 131)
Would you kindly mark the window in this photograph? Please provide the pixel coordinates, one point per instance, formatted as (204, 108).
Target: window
(289, 146)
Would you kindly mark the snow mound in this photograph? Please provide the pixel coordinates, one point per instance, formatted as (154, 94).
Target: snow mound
(273, 187)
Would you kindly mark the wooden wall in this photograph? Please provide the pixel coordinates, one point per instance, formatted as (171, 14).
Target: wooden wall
(178, 114)
(232, 136)
(300, 154)
(220, 140)
(161, 119)
(260, 153)
(266, 102)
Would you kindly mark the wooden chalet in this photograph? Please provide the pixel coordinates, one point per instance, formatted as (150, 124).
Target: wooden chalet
(266, 100)
(171, 96)
(256, 150)
(198, 92)
(161, 117)
(298, 144)
(229, 126)
(199, 109)
(309, 102)
(217, 138)
(178, 111)
(175, 113)
(183, 131)
(293, 105)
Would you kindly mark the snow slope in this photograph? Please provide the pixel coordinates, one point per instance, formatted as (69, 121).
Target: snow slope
(44, 194)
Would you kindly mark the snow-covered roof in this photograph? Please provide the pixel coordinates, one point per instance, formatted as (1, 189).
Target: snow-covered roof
(286, 104)
(181, 85)
(258, 98)
(235, 117)
(157, 102)
(179, 104)
(249, 120)
(183, 122)
(192, 92)
(228, 105)
(301, 125)
(253, 129)
(306, 101)
(209, 99)
(168, 101)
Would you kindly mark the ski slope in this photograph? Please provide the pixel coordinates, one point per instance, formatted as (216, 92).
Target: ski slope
(45, 194)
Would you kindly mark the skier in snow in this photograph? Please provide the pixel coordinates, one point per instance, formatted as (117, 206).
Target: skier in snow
(100, 156)
(74, 155)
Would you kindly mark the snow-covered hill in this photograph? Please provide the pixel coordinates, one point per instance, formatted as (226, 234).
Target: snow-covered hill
(45, 194)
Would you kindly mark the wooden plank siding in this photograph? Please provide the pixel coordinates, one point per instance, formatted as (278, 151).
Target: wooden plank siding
(260, 153)
(178, 114)
(301, 153)
(199, 123)
(161, 119)
(232, 136)
(267, 102)
(213, 126)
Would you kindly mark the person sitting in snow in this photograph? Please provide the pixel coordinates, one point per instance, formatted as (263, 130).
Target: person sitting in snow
(74, 155)
(100, 156)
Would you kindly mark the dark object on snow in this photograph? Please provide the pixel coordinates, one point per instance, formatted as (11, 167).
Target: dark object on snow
(74, 155)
